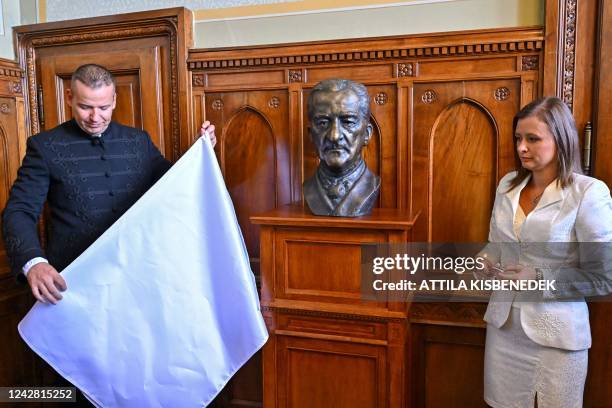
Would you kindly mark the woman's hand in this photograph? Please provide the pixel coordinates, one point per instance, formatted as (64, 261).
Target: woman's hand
(488, 272)
(517, 272)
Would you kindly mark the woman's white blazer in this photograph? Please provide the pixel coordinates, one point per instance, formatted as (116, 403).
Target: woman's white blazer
(581, 212)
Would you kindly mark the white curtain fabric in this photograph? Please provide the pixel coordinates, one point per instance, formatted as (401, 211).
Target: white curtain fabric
(162, 309)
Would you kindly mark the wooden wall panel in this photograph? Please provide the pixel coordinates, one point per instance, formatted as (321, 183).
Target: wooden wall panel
(466, 125)
(442, 108)
(462, 131)
(449, 368)
(251, 183)
(18, 362)
(251, 125)
(310, 383)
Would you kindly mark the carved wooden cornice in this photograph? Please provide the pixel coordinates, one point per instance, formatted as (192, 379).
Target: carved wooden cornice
(103, 35)
(392, 48)
(28, 42)
(11, 73)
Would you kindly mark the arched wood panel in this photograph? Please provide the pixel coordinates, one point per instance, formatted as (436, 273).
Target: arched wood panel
(462, 166)
(251, 183)
(462, 145)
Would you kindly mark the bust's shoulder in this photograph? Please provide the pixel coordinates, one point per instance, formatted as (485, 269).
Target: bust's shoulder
(370, 179)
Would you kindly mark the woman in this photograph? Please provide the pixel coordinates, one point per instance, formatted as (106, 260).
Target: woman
(539, 349)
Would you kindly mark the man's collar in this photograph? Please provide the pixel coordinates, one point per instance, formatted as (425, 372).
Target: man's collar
(88, 135)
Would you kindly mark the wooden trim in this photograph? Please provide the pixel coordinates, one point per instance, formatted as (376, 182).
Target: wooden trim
(560, 51)
(448, 314)
(480, 42)
(303, 308)
(9, 68)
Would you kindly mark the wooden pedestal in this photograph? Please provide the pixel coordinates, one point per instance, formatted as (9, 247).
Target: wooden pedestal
(328, 347)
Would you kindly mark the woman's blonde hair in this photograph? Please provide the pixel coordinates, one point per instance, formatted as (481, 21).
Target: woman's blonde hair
(560, 121)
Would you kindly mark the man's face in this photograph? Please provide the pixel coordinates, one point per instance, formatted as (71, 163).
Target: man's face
(92, 108)
(338, 129)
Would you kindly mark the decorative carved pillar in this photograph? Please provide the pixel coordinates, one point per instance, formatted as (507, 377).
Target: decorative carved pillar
(560, 49)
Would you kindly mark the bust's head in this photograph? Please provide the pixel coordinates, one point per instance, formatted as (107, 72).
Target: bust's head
(339, 116)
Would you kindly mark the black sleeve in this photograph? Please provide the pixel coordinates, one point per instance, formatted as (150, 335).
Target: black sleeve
(159, 164)
(24, 207)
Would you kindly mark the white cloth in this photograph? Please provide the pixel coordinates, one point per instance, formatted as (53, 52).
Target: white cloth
(581, 212)
(162, 309)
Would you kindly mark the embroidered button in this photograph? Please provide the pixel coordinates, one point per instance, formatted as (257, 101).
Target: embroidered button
(107, 174)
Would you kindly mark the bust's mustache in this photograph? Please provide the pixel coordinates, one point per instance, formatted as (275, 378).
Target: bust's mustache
(335, 146)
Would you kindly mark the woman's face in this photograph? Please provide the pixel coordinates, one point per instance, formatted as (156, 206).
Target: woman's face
(535, 145)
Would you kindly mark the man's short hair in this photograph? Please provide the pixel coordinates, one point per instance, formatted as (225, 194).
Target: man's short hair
(337, 85)
(93, 76)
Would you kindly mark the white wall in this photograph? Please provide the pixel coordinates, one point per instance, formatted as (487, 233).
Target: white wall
(10, 17)
(230, 23)
(372, 22)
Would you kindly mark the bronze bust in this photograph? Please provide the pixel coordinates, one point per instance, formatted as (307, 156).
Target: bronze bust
(339, 116)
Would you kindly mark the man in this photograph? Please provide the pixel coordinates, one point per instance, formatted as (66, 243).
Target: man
(339, 115)
(90, 170)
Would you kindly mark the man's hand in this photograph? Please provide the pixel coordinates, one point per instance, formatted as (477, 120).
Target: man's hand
(210, 128)
(46, 283)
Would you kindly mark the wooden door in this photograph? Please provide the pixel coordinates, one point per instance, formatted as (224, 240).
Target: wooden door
(145, 51)
(140, 101)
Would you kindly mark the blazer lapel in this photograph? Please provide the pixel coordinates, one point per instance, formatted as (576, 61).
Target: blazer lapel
(514, 195)
(552, 193)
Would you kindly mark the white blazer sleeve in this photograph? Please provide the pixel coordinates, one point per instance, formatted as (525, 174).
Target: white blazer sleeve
(593, 276)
